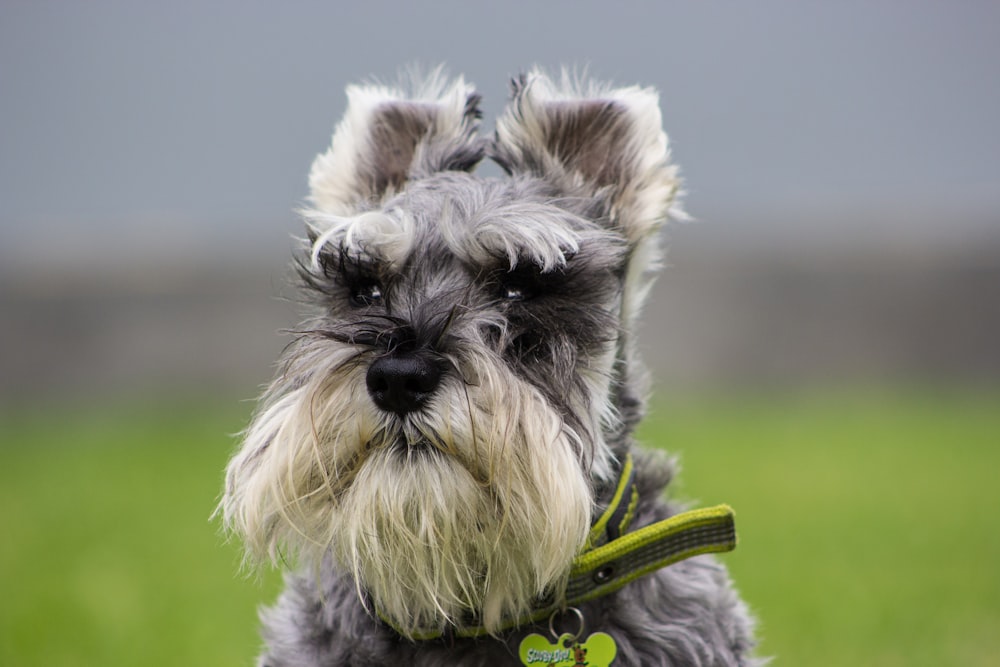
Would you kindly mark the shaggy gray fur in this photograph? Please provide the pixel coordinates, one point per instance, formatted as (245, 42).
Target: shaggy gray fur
(592, 168)
(685, 615)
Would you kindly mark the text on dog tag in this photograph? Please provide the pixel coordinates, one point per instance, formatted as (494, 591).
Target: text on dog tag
(598, 651)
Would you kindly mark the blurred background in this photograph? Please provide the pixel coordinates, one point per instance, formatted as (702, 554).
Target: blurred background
(824, 341)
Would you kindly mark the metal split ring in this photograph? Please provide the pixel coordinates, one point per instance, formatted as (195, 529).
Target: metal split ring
(572, 637)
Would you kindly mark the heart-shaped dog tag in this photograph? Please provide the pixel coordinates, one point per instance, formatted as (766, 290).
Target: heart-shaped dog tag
(598, 651)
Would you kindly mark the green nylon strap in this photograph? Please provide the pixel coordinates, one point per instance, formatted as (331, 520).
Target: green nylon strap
(616, 517)
(605, 569)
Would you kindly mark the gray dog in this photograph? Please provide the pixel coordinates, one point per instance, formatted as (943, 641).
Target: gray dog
(447, 450)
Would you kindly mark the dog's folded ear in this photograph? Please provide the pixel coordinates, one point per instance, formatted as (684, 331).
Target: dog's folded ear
(592, 140)
(390, 135)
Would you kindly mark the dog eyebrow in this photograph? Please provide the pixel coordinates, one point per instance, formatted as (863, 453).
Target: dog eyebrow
(351, 265)
(520, 234)
(384, 237)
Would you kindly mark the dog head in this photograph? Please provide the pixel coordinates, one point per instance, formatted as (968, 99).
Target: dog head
(443, 421)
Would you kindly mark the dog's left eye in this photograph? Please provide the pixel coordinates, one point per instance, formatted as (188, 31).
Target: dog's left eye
(520, 284)
(513, 293)
(366, 295)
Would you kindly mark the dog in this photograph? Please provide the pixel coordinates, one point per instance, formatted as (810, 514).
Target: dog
(446, 453)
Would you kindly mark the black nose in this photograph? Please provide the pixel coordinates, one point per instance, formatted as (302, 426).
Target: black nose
(402, 384)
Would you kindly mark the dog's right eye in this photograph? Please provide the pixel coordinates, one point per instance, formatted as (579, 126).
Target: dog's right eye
(520, 284)
(363, 296)
(513, 293)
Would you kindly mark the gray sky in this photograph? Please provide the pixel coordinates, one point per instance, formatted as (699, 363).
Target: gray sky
(154, 127)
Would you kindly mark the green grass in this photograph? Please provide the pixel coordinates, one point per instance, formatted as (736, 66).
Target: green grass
(867, 522)
(109, 556)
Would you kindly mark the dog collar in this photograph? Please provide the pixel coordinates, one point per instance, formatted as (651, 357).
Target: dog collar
(612, 557)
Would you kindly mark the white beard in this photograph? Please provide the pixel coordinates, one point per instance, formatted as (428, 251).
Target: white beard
(476, 505)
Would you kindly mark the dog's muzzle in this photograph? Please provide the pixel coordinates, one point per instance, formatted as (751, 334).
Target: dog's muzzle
(402, 383)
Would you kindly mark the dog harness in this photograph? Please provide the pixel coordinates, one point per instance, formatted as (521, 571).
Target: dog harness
(612, 557)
